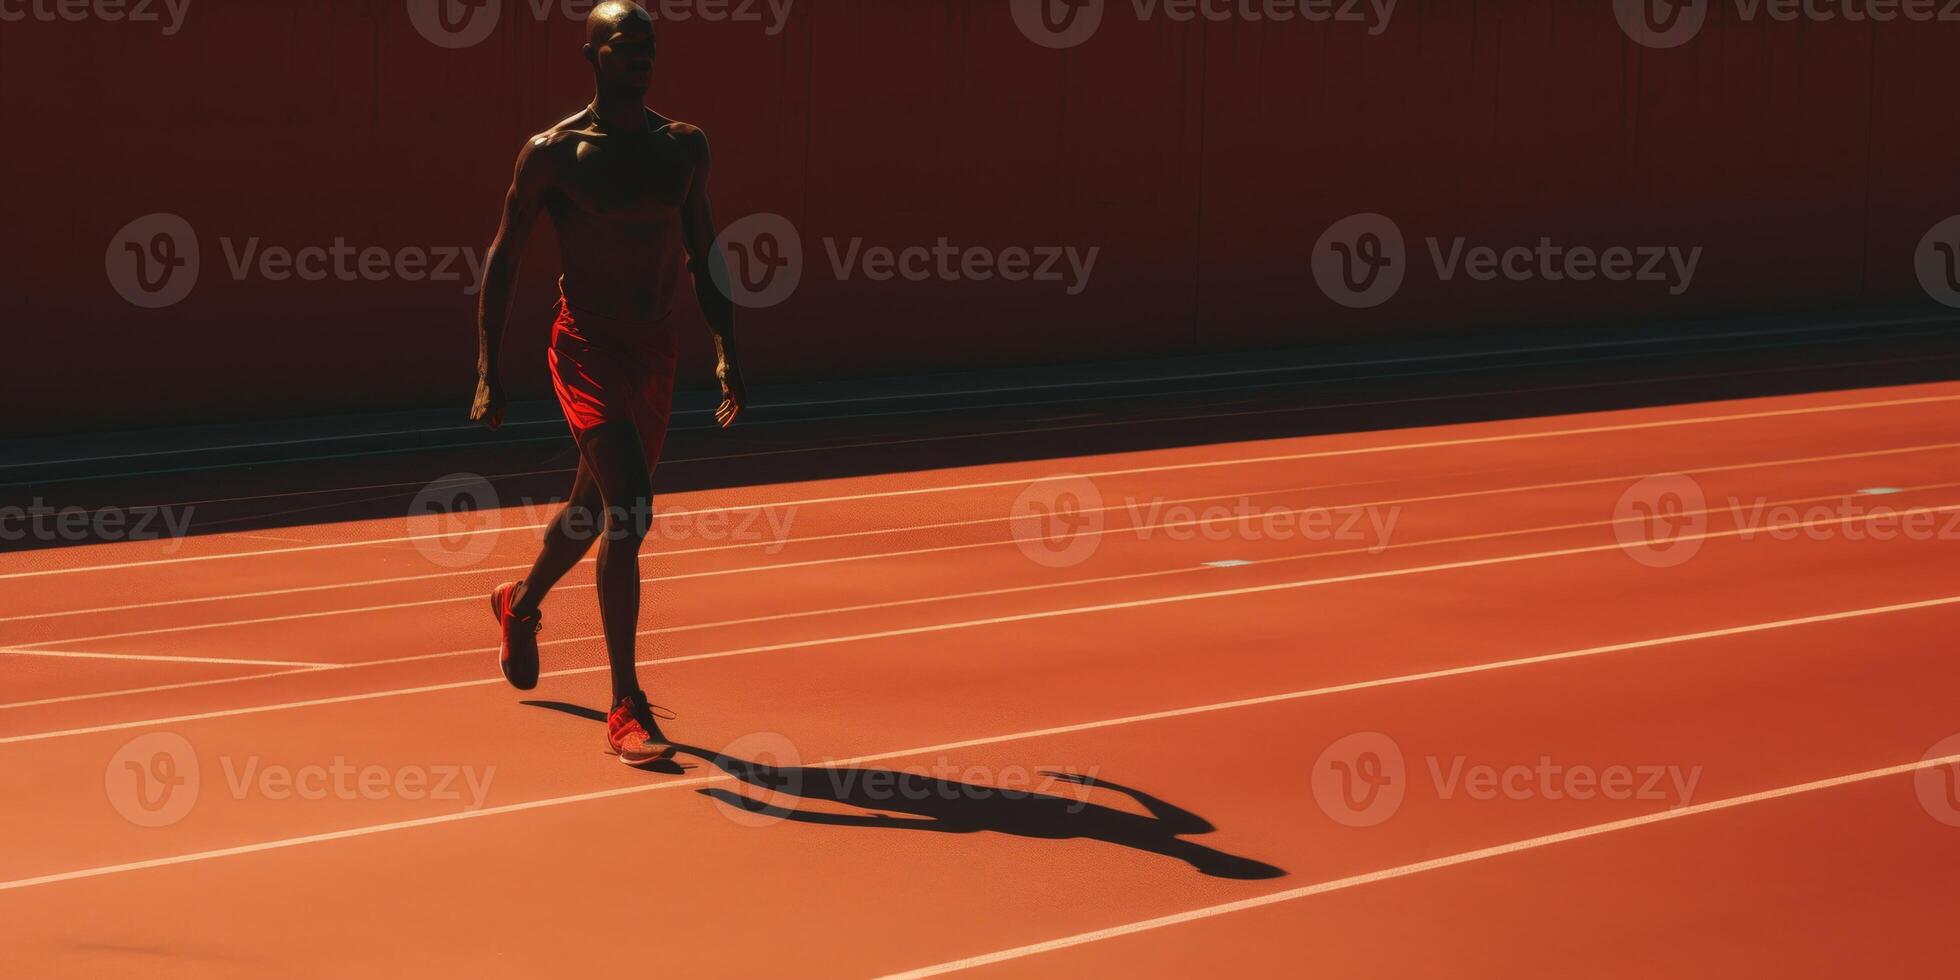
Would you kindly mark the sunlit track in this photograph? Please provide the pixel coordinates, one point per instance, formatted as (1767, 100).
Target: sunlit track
(1423, 867)
(1042, 614)
(1780, 629)
(1164, 526)
(1043, 733)
(488, 570)
(835, 611)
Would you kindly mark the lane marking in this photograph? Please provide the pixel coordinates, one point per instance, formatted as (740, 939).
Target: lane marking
(1204, 709)
(886, 604)
(482, 570)
(1421, 867)
(980, 545)
(970, 624)
(494, 569)
(1691, 344)
(1287, 458)
(158, 658)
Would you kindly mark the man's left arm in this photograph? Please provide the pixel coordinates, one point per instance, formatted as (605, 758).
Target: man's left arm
(705, 263)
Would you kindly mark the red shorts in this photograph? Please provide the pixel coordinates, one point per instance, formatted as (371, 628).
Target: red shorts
(612, 370)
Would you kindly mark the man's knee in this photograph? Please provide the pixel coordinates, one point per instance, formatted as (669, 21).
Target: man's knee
(631, 519)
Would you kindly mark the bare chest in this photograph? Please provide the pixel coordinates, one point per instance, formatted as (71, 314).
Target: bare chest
(636, 178)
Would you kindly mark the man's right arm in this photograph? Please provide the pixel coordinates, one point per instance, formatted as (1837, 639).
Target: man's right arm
(522, 205)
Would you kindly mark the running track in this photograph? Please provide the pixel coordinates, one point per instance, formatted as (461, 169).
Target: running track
(1513, 595)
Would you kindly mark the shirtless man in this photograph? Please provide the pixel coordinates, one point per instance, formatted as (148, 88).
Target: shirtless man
(627, 190)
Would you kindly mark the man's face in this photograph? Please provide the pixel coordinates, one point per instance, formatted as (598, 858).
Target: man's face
(626, 58)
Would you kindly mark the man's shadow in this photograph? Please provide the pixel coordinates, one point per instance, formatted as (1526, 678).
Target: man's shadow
(929, 803)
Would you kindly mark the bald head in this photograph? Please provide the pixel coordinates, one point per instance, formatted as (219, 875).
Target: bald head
(616, 17)
(620, 45)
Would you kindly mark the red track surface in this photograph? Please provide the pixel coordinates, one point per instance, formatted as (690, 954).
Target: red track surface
(913, 631)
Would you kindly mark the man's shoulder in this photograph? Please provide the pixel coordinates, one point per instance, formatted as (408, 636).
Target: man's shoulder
(685, 134)
(566, 130)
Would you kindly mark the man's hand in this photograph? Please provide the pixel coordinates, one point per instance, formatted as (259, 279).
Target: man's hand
(734, 396)
(489, 406)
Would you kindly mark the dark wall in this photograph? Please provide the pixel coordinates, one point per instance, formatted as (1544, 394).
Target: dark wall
(1204, 159)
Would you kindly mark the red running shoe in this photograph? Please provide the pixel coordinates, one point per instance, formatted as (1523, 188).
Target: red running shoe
(520, 647)
(633, 734)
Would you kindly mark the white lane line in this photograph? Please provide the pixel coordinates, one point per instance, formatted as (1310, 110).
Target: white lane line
(494, 569)
(1161, 526)
(1286, 458)
(218, 681)
(1693, 342)
(1421, 867)
(1204, 709)
(897, 603)
(156, 658)
(1769, 531)
(689, 514)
